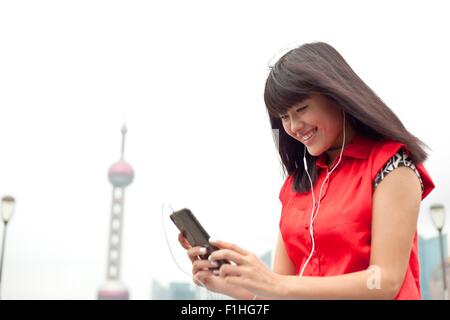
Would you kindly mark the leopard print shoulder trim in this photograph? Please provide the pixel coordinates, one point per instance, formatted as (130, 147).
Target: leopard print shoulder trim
(400, 159)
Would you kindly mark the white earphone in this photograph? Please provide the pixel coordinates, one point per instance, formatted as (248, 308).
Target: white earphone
(315, 212)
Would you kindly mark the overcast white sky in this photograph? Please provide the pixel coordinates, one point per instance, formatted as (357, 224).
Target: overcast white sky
(188, 77)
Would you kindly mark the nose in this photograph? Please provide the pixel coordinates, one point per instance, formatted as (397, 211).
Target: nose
(296, 125)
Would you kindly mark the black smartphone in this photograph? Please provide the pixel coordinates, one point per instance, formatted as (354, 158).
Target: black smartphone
(194, 233)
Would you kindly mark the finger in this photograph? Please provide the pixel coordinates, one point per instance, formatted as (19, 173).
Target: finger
(202, 265)
(228, 270)
(202, 278)
(197, 282)
(227, 245)
(194, 253)
(230, 255)
(184, 243)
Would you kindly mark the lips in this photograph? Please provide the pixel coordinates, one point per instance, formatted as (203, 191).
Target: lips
(307, 135)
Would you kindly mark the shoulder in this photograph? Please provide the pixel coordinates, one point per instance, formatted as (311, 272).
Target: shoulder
(382, 151)
(400, 185)
(389, 155)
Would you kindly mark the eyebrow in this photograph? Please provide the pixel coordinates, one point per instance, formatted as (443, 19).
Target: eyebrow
(304, 103)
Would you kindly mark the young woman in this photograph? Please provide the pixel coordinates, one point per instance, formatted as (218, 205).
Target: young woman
(351, 199)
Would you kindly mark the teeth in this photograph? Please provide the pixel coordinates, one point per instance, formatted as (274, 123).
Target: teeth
(308, 136)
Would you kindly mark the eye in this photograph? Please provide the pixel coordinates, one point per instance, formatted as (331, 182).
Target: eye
(301, 108)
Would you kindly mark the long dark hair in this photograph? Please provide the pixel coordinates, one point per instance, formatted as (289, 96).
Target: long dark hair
(318, 68)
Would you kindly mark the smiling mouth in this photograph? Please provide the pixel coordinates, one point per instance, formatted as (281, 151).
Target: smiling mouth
(308, 136)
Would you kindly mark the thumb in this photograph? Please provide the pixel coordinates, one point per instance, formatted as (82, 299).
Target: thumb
(184, 243)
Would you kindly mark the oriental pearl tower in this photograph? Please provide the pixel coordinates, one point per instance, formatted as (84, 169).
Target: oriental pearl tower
(120, 175)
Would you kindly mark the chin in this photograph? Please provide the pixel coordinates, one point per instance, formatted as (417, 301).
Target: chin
(314, 151)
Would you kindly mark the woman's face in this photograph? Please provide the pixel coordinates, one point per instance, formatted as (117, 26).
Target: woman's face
(316, 122)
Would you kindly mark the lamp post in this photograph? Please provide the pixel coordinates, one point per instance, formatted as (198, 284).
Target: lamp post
(7, 210)
(437, 213)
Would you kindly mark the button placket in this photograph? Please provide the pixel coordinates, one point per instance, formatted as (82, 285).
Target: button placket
(324, 189)
(314, 261)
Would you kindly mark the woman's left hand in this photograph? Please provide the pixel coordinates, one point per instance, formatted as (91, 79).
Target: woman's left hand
(246, 271)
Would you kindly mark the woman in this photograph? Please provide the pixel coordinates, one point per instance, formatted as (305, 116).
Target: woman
(352, 197)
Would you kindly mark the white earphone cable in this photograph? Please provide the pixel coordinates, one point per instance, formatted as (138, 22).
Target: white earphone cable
(315, 212)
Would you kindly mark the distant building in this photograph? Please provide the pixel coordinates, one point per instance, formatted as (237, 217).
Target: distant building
(120, 175)
(430, 259)
(437, 283)
(174, 291)
(159, 292)
(181, 291)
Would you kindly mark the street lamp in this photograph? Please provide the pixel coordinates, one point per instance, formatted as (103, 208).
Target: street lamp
(437, 213)
(7, 210)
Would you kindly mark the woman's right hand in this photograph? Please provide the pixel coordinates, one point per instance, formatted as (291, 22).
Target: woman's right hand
(203, 275)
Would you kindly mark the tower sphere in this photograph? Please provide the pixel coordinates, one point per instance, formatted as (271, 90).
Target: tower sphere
(121, 174)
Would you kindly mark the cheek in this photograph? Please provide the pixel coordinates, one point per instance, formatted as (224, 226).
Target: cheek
(331, 124)
(324, 139)
(334, 129)
(286, 129)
